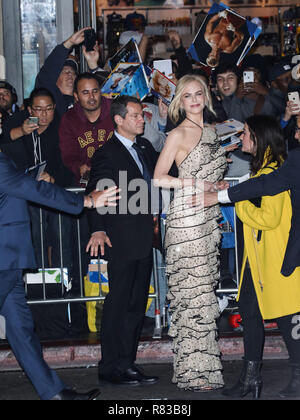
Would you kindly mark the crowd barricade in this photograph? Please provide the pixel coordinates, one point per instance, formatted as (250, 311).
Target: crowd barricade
(59, 276)
(230, 229)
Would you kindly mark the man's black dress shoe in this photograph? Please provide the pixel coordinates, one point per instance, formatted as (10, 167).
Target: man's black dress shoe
(69, 395)
(119, 379)
(135, 373)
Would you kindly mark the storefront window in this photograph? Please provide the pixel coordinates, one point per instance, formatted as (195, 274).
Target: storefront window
(38, 22)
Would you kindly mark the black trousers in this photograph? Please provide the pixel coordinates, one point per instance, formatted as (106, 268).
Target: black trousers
(254, 333)
(123, 312)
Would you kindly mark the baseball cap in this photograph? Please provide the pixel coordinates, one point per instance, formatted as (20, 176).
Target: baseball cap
(5, 85)
(283, 66)
(72, 62)
(256, 61)
(127, 35)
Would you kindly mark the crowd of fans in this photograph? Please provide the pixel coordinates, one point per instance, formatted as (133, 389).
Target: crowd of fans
(74, 120)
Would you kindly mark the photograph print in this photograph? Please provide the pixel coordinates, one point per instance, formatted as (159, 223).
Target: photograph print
(223, 36)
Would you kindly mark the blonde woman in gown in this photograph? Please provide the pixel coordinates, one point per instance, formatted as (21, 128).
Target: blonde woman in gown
(192, 239)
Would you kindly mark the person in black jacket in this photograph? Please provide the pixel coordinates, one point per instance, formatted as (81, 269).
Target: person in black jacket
(60, 70)
(29, 144)
(126, 239)
(17, 255)
(8, 98)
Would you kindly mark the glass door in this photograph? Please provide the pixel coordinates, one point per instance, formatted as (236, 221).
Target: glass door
(38, 34)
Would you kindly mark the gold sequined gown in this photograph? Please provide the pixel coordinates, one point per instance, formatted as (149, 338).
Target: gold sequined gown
(192, 257)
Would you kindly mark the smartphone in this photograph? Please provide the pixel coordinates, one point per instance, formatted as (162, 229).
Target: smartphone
(90, 39)
(294, 97)
(33, 120)
(248, 76)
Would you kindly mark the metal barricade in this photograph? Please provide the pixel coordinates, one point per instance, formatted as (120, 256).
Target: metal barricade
(82, 298)
(233, 291)
(156, 270)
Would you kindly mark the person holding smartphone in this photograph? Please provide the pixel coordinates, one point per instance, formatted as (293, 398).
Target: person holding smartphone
(31, 137)
(252, 89)
(288, 122)
(17, 255)
(60, 70)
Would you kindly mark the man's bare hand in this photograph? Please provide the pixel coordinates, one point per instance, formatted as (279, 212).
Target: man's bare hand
(92, 57)
(83, 169)
(98, 239)
(28, 127)
(76, 39)
(46, 178)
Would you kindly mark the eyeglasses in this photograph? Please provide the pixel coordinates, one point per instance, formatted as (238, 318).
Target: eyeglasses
(39, 110)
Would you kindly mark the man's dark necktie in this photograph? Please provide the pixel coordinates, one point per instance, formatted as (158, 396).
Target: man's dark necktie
(147, 173)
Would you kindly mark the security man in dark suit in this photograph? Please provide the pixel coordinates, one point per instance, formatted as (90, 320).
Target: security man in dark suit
(16, 255)
(125, 238)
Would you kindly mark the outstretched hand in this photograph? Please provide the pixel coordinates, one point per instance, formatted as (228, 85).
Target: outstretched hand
(204, 199)
(107, 197)
(104, 198)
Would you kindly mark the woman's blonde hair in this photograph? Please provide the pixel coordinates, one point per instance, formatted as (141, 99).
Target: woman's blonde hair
(175, 109)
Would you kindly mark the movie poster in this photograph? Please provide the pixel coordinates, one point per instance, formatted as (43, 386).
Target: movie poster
(223, 36)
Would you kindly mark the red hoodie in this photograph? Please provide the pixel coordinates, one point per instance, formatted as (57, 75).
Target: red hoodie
(79, 138)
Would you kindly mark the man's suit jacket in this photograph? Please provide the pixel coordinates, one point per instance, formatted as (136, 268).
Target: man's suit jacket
(131, 235)
(16, 250)
(285, 178)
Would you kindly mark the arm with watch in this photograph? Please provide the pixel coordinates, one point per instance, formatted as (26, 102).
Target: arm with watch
(16, 184)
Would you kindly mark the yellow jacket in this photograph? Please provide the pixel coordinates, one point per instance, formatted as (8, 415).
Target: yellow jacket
(277, 295)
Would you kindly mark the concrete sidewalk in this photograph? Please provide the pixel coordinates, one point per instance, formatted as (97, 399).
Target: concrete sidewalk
(15, 386)
(87, 352)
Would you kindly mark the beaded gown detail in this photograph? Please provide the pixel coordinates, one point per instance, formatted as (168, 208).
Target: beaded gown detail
(192, 266)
